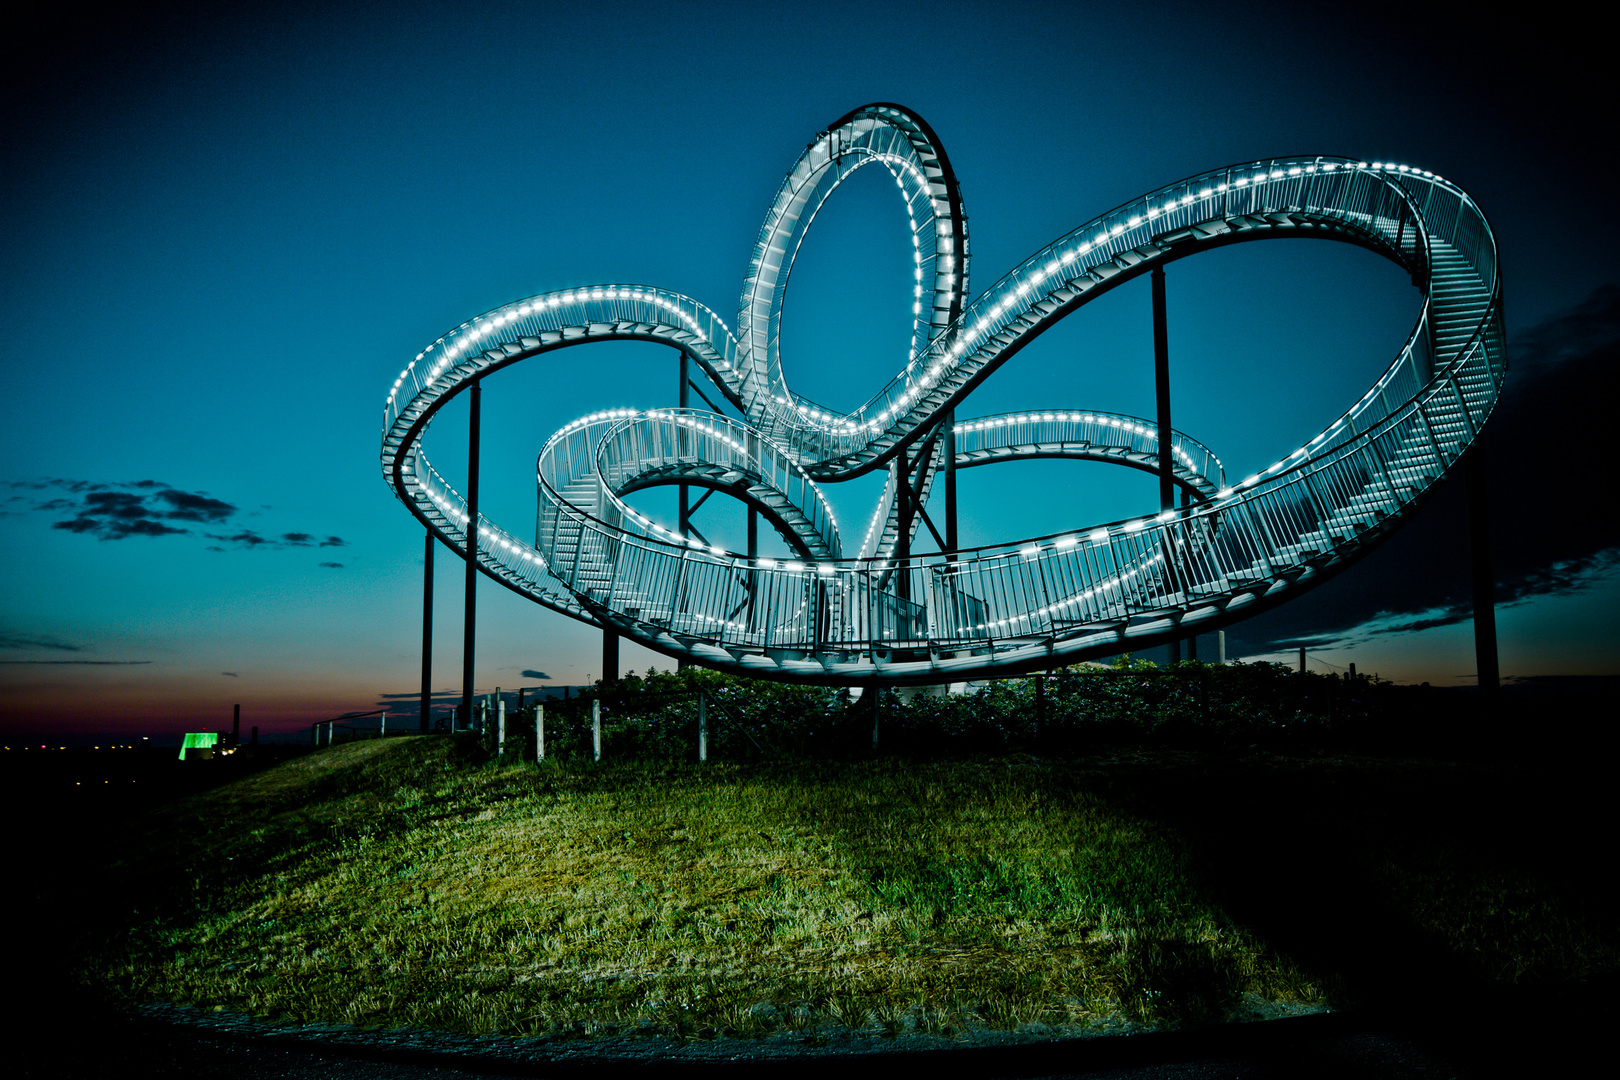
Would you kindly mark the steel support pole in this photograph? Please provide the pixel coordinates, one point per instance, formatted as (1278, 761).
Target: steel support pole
(684, 515)
(427, 628)
(902, 539)
(683, 512)
(1161, 381)
(470, 612)
(1479, 545)
(1192, 639)
(950, 482)
(753, 555)
(610, 655)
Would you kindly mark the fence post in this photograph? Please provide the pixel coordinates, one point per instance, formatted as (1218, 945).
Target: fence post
(703, 727)
(596, 729)
(1040, 704)
(500, 724)
(876, 717)
(539, 734)
(384, 729)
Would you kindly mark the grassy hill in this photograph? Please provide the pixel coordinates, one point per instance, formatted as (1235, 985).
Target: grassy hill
(417, 882)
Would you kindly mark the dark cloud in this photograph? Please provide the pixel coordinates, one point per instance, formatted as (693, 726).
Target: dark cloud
(117, 504)
(530, 673)
(111, 514)
(115, 511)
(23, 641)
(85, 663)
(246, 538)
(192, 507)
(250, 538)
(1552, 528)
(116, 528)
(230, 674)
(332, 565)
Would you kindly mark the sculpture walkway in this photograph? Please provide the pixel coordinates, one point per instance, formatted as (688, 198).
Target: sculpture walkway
(844, 613)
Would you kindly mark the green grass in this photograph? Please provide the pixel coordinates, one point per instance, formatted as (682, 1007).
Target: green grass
(406, 882)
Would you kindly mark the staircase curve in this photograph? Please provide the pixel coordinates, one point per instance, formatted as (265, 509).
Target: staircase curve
(829, 616)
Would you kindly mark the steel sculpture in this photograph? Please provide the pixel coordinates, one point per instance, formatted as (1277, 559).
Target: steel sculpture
(869, 612)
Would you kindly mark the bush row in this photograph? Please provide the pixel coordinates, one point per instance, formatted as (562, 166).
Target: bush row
(1071, 710)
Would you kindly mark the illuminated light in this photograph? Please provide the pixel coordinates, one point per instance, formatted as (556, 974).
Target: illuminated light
(1134, 526)
(1098, 536)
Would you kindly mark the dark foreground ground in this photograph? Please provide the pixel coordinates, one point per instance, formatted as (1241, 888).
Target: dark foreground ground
(1423, 1020)
(1566, 1033)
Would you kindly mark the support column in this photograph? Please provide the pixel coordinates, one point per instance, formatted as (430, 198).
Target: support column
(753, 556)
(1479, 545)
(610, 656)
(1161, 380)
(683, 514)
(902, 537)
(1192, 639)
(950, 482)
(470, 613)
(427, 628)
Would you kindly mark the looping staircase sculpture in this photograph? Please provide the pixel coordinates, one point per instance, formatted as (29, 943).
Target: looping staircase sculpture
(861, 615)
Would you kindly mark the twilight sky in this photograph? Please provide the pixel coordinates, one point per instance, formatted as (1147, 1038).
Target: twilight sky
(225, 232)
